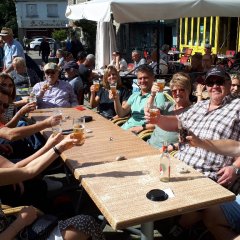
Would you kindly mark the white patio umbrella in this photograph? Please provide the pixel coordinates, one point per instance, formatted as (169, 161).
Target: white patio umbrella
(124, 11)
(105, 43)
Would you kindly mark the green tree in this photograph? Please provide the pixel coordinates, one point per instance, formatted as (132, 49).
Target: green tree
(89, 29)
(59, 35)
(8, 15)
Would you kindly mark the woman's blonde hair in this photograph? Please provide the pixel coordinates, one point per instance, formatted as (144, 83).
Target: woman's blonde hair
(108, 70)
(19, 61)
(181, 80)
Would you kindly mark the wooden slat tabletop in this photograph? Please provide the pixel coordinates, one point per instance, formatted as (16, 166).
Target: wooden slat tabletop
(105, 143)
(119, 190)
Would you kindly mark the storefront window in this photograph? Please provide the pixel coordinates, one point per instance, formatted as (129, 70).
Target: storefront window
(183, 31)
(189, 40)
(195, 40)
(201, 31)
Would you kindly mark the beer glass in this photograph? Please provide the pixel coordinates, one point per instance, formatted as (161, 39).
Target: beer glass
(78, 130)
(113, 87)
(96, 85)
(161, 84)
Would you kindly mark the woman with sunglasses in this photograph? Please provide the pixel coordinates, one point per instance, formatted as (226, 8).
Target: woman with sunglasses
(181, 89)
(11, 113)
(103, 98)
(12, 117)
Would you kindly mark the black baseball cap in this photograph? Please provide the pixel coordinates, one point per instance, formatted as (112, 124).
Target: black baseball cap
(217, 71)
(70, 64)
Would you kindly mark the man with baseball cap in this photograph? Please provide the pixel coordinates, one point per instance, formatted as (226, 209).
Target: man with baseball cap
(214, 119)
(72, 76)
(12, 49)
(54, 92)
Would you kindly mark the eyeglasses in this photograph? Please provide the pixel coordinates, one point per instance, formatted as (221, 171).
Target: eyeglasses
(50, 72)
(175, 91)
(4, 105)
(218, 82)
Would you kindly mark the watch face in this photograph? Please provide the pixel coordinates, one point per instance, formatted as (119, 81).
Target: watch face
(238, 171)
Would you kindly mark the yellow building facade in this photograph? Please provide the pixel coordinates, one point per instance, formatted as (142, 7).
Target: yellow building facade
(221, 32)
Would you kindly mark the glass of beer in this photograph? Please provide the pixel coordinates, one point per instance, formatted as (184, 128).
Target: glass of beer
(161, 84)
(113, 87)
(78, 130)
(96, 85)
(153, 110)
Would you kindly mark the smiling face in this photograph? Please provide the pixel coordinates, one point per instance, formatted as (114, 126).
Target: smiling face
(112, 77)
(145, 81)
(180, 95)
(235, 85)
(180, 85)
(217, 88)
(7, 83)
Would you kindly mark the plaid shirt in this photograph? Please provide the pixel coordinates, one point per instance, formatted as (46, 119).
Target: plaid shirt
(220, 123)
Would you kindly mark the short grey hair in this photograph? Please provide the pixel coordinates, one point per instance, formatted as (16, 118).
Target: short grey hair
(136, 51)
(90, 57)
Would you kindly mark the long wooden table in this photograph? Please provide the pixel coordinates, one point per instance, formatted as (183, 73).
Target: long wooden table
(105, 143)
(119, 190)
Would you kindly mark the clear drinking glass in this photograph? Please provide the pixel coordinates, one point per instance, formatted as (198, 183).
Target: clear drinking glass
(96, 84)
(78, 130)
(161, 84)
(113, 87)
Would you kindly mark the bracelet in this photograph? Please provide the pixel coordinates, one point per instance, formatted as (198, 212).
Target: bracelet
(199, 95)
(56, 151)
(152, 95)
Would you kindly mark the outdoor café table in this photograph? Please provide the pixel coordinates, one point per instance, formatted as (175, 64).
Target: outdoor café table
(105, 143)
(119, 190)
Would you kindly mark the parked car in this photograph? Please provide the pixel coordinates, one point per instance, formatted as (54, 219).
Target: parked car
(35, 43)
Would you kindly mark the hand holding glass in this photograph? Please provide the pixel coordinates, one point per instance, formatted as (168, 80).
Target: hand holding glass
(113, 87)
(153, 110)
(78, 130)
(161, 84)
(96, 85)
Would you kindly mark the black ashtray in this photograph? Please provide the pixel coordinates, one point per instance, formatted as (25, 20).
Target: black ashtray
(88, 118)
(157, 195)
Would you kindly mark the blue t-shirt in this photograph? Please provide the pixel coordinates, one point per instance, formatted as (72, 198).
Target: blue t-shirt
(137, 101)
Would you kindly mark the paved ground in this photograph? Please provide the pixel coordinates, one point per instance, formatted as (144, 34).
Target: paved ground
(87, 206)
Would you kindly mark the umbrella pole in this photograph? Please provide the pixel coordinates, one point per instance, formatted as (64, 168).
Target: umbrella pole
(158, 48)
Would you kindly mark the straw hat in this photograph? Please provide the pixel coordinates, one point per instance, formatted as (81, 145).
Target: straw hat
(6, 31)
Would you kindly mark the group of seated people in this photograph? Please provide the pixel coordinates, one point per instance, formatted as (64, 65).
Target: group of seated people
(212, 119)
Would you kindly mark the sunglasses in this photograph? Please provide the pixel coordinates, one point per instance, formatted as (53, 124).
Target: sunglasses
(50, 72)
(175, 91)
(218, 82)
(4, 105)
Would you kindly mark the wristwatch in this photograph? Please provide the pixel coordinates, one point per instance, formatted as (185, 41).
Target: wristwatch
(237, 170)
(144, 126)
